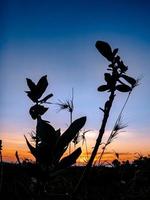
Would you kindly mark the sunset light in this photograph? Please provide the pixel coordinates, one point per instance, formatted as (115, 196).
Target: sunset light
(74, 98)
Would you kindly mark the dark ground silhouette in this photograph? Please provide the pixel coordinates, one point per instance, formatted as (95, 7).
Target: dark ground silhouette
(121, 182)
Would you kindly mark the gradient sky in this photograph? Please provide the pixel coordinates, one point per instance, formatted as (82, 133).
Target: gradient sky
(58, 38)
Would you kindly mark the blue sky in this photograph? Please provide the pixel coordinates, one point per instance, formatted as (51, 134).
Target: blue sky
(58, 38)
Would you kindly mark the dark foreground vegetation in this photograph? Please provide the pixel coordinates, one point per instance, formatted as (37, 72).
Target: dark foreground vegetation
(119, 182)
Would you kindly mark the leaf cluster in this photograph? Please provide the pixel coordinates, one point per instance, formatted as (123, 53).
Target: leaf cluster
(35, 93)
(50, 145)
(116, 79)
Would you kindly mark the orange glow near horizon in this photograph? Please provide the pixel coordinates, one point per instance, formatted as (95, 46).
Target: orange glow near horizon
(9, 156)
(127, 150)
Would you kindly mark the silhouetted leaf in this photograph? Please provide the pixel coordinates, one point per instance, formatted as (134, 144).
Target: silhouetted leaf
(73, 129)
(46, 98)
(108, 77)
(68, 135)
(46, 133)
(47, 141)
(103, 88)
(122, 66)
(111, 65)
(37, 90)
(31, 84)
(105, 49)
(32, 149)
(71, 159)
(117, 155)
(115, 51)
(32, 96)
(42, 85)
(37, 110)
(129, 79)
(76, 139)
(123, 88)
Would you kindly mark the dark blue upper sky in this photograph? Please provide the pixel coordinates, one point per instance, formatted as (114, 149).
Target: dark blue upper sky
(48, 20)
(58, 38)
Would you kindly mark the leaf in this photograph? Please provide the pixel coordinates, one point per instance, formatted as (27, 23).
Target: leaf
(46, 98)
(108, 77)
(46, 133)
(37, 90)
(77, 138)
(123, 88)
(32, 149)
(115, 51)
(73, 129)
(105, 49)
(37, 110)
(117, 155)
(71, 159)
(122, 66)
(42, 85)
(47, 141)
(32, 96)
(103, 88)
(31, 84)
(129, 79)
(68, 135)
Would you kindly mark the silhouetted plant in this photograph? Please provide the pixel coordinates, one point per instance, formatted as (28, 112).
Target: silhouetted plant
(1, 166)
(69, 106)
(0, 150)
(81, 137)
(142, 161)
(50, 144)
(115, 131)
(115, 80)
(17, 157)
(116, 163)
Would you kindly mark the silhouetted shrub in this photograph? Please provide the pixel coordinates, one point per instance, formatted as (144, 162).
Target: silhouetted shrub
(50, 144)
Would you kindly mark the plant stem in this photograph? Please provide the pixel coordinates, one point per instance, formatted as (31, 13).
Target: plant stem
(102, 130)
(71, 117)
(86, 148)
(101, 155)
(99, 138)
(71, 113)
(118, 118)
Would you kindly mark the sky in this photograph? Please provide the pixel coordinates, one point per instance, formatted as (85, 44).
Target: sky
(57, 39)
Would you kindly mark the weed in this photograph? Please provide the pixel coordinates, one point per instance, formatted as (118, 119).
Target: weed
(50, 144)
(115, 80)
